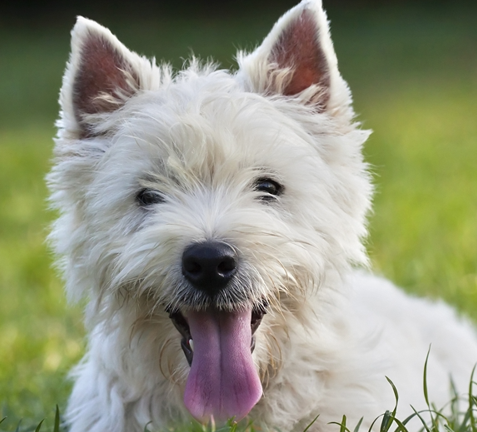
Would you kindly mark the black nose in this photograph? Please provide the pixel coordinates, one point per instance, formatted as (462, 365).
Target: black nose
(209, 266)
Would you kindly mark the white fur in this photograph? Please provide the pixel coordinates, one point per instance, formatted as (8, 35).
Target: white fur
(331, 334)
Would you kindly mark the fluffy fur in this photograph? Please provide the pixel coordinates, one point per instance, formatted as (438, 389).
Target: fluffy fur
(199, 140)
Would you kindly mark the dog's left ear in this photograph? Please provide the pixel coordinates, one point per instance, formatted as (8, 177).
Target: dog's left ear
(101, 76)
(297, 59)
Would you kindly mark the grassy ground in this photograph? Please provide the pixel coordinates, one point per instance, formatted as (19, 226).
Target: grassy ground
(414, 77)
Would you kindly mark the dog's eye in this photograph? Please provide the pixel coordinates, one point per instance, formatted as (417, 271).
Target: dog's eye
(148, 197)
(269, 187)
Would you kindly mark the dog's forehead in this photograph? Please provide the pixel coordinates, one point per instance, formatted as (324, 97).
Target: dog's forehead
(203, 123)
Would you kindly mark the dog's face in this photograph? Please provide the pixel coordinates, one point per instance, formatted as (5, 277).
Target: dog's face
(209, 199)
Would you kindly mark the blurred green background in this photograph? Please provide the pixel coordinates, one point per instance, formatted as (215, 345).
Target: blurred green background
(412, 67)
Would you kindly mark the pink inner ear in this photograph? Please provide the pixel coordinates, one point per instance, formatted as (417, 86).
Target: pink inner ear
(100, 73)
(298, 48)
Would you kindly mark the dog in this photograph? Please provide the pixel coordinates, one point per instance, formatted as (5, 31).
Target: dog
(214, 220)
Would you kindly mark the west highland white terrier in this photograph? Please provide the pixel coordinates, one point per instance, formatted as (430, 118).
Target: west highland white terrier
(213, 218)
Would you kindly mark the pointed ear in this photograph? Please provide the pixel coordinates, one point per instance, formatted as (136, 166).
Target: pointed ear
(297, 59)
(100, 76)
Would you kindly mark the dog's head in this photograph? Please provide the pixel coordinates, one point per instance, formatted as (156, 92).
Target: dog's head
(209, 197)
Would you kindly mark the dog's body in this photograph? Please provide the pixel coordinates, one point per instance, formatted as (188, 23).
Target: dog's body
(226, 210)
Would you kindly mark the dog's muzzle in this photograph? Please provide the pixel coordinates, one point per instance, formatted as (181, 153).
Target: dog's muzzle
(223, 381)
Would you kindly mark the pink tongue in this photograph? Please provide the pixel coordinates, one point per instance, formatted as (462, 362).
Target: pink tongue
(223, 381)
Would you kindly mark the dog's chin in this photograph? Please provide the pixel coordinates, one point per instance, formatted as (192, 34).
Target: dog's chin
(223, 381)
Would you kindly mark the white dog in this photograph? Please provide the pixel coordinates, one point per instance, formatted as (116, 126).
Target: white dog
(212, 218)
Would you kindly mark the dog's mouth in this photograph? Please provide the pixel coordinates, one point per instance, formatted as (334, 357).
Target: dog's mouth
(223, 381)
(187, 343)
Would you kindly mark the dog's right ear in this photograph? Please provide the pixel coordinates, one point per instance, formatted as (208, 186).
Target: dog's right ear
(100, 76)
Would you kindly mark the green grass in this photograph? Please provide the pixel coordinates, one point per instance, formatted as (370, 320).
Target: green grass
(459, 415)
(39, 337)
(414, 77)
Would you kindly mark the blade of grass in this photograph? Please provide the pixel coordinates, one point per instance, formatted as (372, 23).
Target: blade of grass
(374, 421)
(39, 426)
(454, 404)
(435, 426)
(396, 396)
(424, 382)
(311, 424)
(408, 419)
(342, 424)
(471, 400)
(57, 420)
(401, 426)
(356, 429)
(420, 418)
(18, 427)
(463, 427)
(386, 422)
